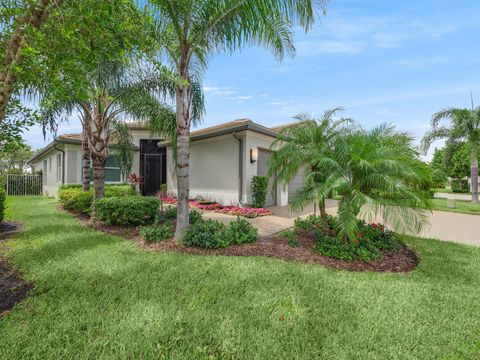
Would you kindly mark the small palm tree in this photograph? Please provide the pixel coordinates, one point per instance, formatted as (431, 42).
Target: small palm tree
(300, 146)
(377, 173)
(190, 32)
(464, 126)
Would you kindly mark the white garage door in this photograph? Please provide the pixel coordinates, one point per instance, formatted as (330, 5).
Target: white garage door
(262, 170)
(296, 183)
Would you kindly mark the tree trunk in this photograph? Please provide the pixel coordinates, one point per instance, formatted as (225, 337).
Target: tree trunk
(98, 179)
(35, 17)
(474, 174)
(321, 206)
(183, 94)
(86, 161)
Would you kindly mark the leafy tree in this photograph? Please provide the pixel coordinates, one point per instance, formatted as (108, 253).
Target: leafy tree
(122, 147)
(190, 32)
(377, 173)
(300, 146)
(18, 19)
(15, 158)
(464, 126)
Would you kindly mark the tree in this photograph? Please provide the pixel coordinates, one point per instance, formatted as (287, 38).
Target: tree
(190, 32)
(299, 147)
(123, 148)
(376, 173)
(464, 126)
(18, 19)
(15, 158)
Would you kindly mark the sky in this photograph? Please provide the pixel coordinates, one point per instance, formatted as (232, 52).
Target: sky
(381, 60)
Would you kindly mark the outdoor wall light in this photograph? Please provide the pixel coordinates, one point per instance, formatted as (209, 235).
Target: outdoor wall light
(253, 155)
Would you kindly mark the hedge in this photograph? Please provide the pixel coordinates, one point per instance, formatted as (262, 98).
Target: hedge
(132, 210)
(74, 198)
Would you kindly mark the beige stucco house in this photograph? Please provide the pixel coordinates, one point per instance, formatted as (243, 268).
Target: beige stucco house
(223, 160)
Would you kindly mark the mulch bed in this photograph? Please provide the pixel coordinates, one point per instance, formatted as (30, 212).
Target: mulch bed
(399, 261)
(13, 288)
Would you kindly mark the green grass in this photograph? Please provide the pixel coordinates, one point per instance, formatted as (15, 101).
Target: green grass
(462, 206)
(99, 297)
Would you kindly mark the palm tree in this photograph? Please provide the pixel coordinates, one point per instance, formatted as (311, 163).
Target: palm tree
(298, 149)
(377, 173)
(464, 126)
(190, 32)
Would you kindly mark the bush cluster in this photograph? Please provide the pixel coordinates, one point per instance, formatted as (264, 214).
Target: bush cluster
(291, 238)
(213, 234)
(131, 210)
(259, 191)
(371, 240)
(313, 223)
(74, 198)
(460, 186)
(2, 204)
(157, 233)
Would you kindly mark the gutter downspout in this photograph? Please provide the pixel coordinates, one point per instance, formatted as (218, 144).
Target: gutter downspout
(240, 166)
(63, 162)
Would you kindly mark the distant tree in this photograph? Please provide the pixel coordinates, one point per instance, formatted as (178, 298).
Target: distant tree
(15, 158)
(464, 126)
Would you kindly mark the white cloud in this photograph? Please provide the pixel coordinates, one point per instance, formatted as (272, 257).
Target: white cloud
(242, 98)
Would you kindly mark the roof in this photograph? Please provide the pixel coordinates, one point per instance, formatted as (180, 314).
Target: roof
(211, 131)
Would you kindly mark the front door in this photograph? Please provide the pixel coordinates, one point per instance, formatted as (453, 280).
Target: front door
(153, 166)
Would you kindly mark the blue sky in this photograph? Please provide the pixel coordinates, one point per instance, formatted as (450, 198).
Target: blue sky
(382, 60)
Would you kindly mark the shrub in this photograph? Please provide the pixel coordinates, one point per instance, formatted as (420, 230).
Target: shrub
(132, 210)
(291, 239)
(195, 216)
(157, 233)
(167, 213)
(2, 204)
(241, 232)
(378, 236)
(206, 234)
(259, 191)
(312, 223)
(118, 190)
(76, 199)
(460, 186)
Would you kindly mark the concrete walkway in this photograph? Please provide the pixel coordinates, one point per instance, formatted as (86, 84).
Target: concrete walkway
(455, 196)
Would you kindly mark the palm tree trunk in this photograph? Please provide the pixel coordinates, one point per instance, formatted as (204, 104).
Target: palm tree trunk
(183, 154)
(323, 211)
(474, 174)
(98, 179)
(86, 162)
(13, 57)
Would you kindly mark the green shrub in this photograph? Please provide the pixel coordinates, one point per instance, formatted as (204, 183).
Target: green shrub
(131, 210)
(74, 198)
(195, 216)
(377, 236)
(2, 204)
(259, 191)
(241, 232)
(168, 213)
(206, 234)
(157, 233)
(312, 223)
(460, 186)
(291, 239)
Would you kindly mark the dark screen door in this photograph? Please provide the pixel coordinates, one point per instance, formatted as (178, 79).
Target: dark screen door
(153, 166)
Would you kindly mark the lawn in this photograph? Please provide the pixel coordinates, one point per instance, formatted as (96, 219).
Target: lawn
(462, 206)
(99, 297)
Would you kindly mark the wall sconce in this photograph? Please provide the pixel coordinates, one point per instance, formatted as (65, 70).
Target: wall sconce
(253, 155)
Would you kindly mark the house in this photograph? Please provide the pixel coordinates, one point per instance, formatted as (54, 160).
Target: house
(223, 160)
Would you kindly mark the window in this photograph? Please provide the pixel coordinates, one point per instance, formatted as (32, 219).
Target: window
(112, 169)
(50, 164)
(59, 167)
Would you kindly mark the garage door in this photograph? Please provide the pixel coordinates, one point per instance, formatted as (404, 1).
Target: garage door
(262, 170)
(296, 183)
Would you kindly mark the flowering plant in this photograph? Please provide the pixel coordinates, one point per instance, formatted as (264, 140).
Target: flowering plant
(210, 206)
(245, 212)
(168, 200)
(134, 179)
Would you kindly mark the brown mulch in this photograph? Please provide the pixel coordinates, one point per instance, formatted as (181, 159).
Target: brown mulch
(13, 288)
(399, 261)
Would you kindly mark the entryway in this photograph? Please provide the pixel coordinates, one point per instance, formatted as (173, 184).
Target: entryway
(153, 166)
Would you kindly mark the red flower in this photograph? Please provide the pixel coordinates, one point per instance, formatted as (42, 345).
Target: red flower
(360, 235)
(355, 241)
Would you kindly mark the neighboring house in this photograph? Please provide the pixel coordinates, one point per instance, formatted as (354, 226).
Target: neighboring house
(223, 160)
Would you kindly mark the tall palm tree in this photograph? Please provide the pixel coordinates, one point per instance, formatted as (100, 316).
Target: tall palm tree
(190, 32)
(377, 173)
(464, 126)
(298, 149)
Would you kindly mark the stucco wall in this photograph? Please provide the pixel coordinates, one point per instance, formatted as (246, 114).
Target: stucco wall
(50, 183)
(214, 169)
